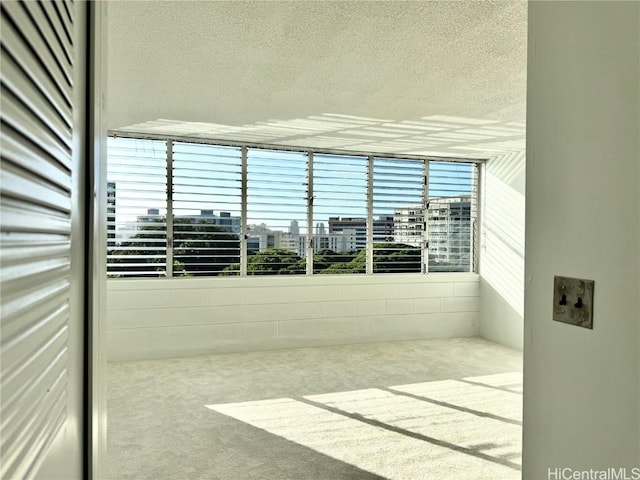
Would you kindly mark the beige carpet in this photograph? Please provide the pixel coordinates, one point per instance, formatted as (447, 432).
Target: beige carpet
(437, 409)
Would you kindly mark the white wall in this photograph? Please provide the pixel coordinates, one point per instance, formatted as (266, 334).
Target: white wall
(582, 388)
(175, 317)
(502, 250)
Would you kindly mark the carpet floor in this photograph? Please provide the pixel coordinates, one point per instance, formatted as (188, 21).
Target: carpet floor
(432, 409)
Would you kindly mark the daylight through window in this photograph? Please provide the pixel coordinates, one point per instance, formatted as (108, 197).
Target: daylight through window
(184, 209)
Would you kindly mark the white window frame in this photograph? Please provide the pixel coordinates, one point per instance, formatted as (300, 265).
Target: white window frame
(244, 146)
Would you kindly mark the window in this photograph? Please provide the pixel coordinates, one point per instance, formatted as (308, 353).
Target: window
(136, 207)
(398, 215)
(339, 214)
(452, 216)
(181, 209)
(276, 212)
(206, 209)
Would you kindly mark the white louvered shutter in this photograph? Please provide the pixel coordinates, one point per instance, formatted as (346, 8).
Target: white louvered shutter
(38, 208)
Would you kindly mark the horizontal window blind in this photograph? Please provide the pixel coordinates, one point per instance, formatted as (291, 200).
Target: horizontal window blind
(207, 199)
(339, 213)
(398, 215)
(232, 209)
(276, 212)
(452, 213)
(136, 207)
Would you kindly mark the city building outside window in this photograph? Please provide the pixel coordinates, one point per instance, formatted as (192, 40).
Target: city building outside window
(184, 209)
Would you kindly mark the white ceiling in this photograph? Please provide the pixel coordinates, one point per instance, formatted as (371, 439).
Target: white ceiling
(425, 77)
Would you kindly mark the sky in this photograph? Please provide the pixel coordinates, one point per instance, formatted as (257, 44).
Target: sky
(210, 177)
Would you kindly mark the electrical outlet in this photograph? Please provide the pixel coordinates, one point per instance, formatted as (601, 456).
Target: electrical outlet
(573, 301)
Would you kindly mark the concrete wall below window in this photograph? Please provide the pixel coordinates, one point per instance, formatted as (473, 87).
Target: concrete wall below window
(176, 317)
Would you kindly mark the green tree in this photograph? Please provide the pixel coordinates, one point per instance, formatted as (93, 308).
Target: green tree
(387, 258)
(396, 258)
(357, 264)
(287, 262)
(199, 249)
(327, 258)
(204, 249)
(143, 254)
(271, 262)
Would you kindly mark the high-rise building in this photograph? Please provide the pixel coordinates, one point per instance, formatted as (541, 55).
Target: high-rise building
(408, 225)
(224, 219)
(449, 230)
(152, 217)
(382, 228)
(342, 242)
(261, 238)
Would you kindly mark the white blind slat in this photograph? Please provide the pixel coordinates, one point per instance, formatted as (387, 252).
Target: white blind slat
(276, 212)
(398, 205)
(136, 207)
(206, 209)
(452, 216)
(296, 204)
(339, 214)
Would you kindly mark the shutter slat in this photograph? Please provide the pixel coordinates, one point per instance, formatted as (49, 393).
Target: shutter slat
(29, 218)
(17, 380)
(34, 70)
(39, 51)
(51, 421)
(43, 418)
(13, 113)
(21, 304)
(34, 190)
(34, 390)
(36, 120)
(61, 28)
(24, 154)
(29, 269)
(40, 105)
(48, 319)
(54, 49)
(68, 9)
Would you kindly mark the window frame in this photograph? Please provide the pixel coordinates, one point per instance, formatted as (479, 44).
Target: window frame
(475, 226)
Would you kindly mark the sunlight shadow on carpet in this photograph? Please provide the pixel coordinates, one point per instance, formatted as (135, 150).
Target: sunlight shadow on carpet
(463, 429)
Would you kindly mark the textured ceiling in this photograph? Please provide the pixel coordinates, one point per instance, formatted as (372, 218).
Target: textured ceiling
(437, 135)
(427, 77)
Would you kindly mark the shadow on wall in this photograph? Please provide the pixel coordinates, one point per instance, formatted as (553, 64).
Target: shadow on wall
(502, 261)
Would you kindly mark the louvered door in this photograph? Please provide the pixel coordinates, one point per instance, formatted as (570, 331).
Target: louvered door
(42, 264)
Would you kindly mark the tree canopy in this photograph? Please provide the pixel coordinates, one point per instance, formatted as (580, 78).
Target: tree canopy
(387, 258)
(271, 262)
(206, 249)
(198, 249)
